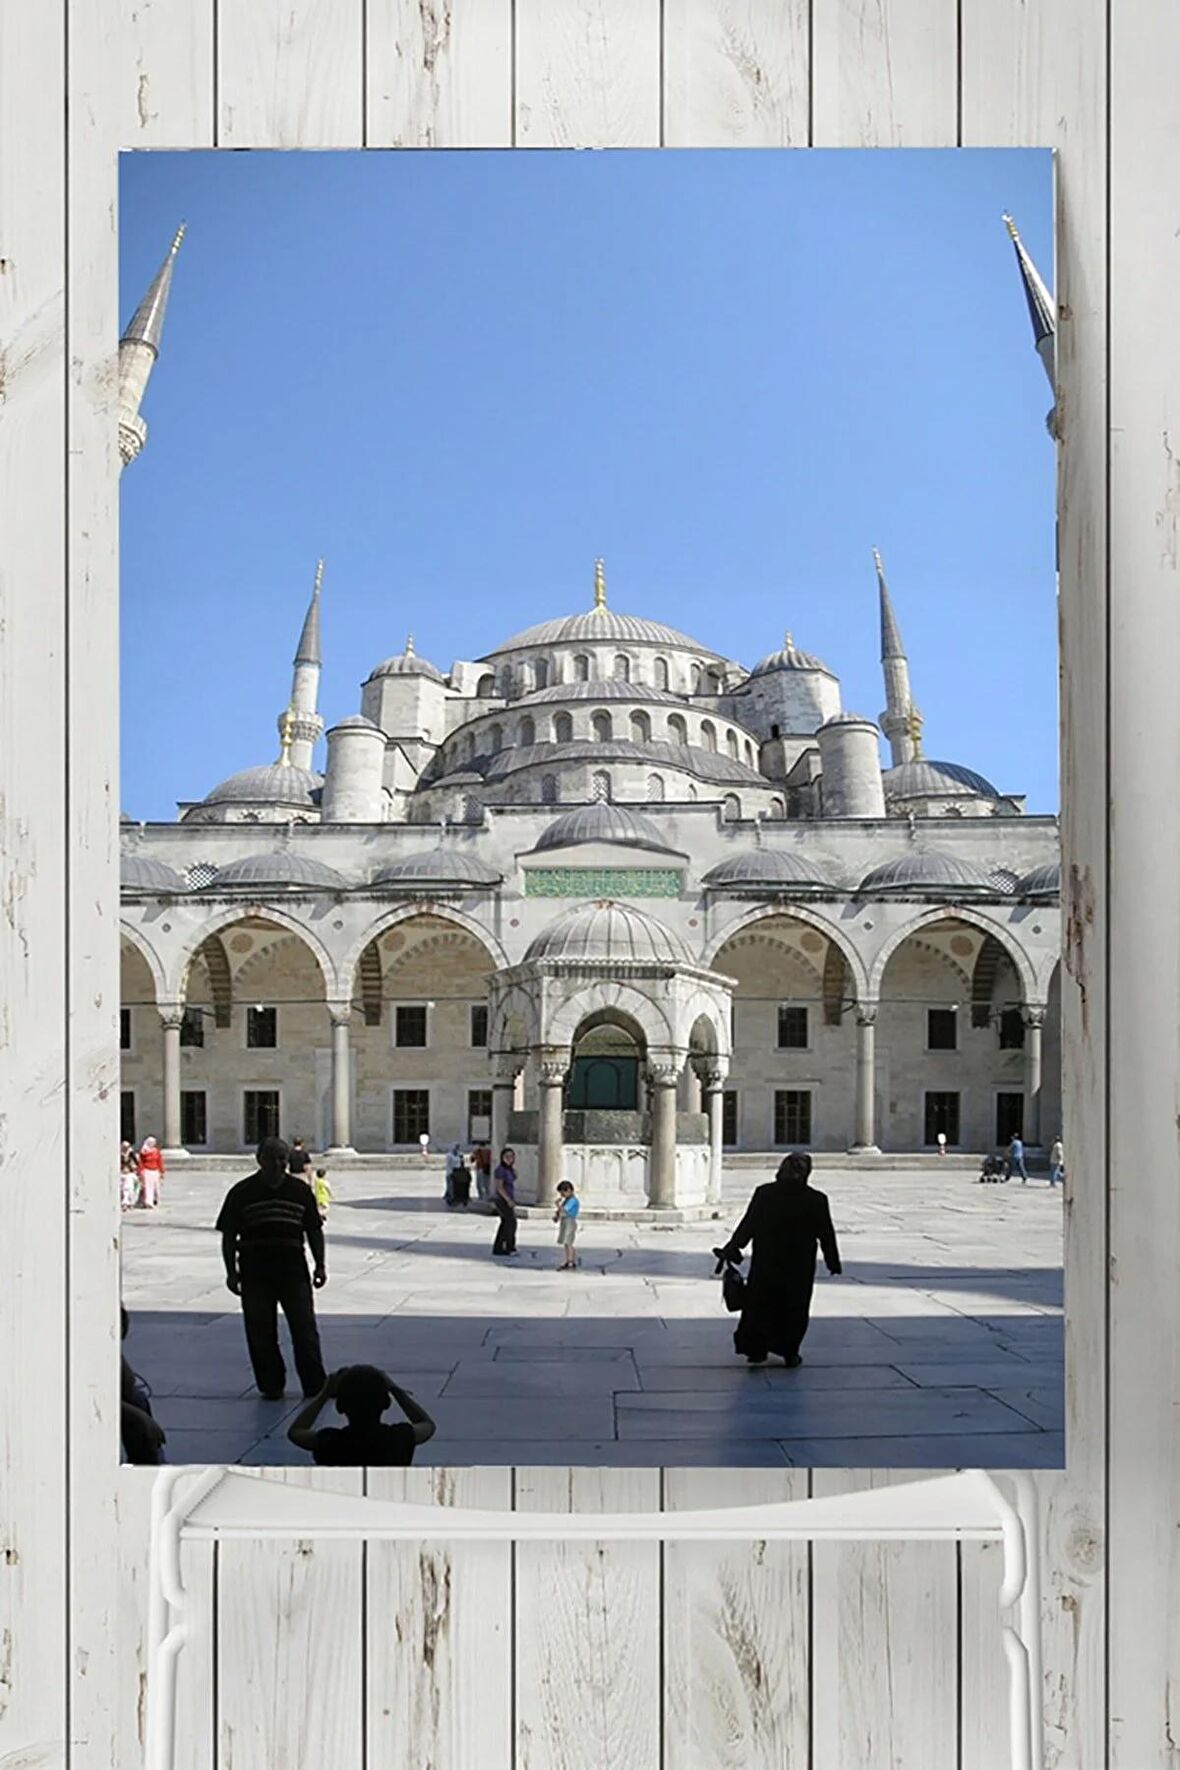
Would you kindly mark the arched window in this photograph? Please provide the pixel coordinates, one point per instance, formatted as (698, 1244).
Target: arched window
(662, 673)
(602, 728)
(777, 808)
(749, 753)
(731, 807)
(655, 789)
(677, 729)
(548, 789)
(600, 785)
(541, 673)
(485, 687)
(473, 808)
(527, 734)
(622, 668)
(469, 747)
(712, 682)
(581, 668)
(495, 738)
(695, 678)
(693, 795)
(640, 728)
(953, 811)
(731, 744)
(563, 729)
(709, 735)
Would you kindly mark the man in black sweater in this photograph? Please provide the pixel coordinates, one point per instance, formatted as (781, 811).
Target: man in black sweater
(264, 1222)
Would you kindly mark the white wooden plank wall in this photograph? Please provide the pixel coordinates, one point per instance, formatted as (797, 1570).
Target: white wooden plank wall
(569, 1655)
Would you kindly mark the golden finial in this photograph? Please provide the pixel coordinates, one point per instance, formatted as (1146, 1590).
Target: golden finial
(288, 737)
(914, 724)
(409, 645)
(599, 584)
(788, 641)
(1011, 226)
(178, 236)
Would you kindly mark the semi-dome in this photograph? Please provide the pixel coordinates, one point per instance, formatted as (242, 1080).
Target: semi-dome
(601, 822)
(603, 625)
(789, 657)
(438, 866)
(138, 872)
(927, 870)
(769, 869)
(274, 783)
(276, 870)
(924, 778)
(607, 688)
(408, 663)
(1043, 881)
(603, 931)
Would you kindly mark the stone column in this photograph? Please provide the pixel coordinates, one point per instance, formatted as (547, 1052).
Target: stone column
(503, 1090)
(340, 1014)
(713, 1088)
(551, 1073)
(1034, 1022)
(172, 1018)
(661, 1184)
(865, 1134)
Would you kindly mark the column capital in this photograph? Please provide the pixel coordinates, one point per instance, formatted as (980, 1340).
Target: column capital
(1033, 1013)
(551, 1071)
(663, 1074)
(866, 1013)
(340, 1013)
(171, 1015)
(714, 1077)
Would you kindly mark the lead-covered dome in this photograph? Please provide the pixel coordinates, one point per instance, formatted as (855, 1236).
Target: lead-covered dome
(440, 867)
(138, 872)
(282, 869)
(600, 932)
(601, 822)
(924, 778)
(789, 657)
(1044, 881)
(606, 688)
(603, 624)
(767, 869)
(274, 783)
(927, 871)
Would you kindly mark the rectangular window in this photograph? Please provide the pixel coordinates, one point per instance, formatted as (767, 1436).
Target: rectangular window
(409, 1025)
(411, 1114)
(192, 1117)
(262, 1029)
(942, 1029)
(479, 1026)
(1009, 1117)
(729, 1117)
(192, 1031)
(127, 1115)
(1011, 1030)
(260, 1114)
(792, 1116)
(792, 1028)
(942, 1114)
(479, 1114)
(124, 1029)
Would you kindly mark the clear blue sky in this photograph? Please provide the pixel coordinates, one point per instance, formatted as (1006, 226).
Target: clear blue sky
(461, 376)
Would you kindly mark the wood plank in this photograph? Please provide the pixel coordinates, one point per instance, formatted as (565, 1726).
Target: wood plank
(290, 76)
(439, 73)
(34, 1642)
(884, 1656)
(1143, 1596)
(736, 73)
(290, 1646)
(1036, 74)
(163, 83)
(983, 1669)
(587, 1629)
(587, 73)
(439, 1635)
(885, 73)
(735, 1632)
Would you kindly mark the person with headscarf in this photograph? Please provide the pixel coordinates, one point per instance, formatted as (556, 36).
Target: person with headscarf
(458, 1178)
(151, 1172)
(128, 1175)
(787, 1221)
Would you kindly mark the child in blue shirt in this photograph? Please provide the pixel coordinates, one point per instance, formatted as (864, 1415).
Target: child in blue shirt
(566, 1218)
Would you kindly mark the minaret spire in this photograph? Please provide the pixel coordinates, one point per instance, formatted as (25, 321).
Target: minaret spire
(1042, 311)
(901, 721)
(300, 724)
(138, 349)
(599, 584)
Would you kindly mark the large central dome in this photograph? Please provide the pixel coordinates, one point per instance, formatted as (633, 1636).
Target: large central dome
(604, 624)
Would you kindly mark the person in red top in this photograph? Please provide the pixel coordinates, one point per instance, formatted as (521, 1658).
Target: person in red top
(151, 1172)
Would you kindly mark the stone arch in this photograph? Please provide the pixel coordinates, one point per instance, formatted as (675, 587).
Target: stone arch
(150, 957)
(797, 912)
(213, 956)
(836, 985)
(988, 962)
(406, 913)
(369, 971)
(1048, 974)
(512, 1015)
(608, 994)
(708, 1027)
(263, 912)
(974, 918)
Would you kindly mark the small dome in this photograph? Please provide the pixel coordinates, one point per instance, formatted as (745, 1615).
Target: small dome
(927, 870)
(139, 873)
(438, 866)
(789, 658)
(772, 869)
(275, 783)
(283, 867)
(601, 822)
(602, 624)
(924, 778)
(609, 931)
(408, 663)
(1044, 881)
(609, 688)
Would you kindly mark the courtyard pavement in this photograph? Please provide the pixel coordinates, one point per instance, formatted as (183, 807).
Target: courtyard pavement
(940, 1347)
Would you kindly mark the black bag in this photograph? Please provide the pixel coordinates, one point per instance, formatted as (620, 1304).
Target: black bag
(733, 1284)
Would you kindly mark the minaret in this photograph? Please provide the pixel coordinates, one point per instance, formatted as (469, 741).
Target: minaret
(138, 350)
(901, 721)
(1042, 310)
(299, 723)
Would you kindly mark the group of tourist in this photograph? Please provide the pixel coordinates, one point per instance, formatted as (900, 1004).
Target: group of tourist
(497, 1188)
(140, 1174)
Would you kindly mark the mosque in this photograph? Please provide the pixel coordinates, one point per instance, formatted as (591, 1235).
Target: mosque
(604, 893)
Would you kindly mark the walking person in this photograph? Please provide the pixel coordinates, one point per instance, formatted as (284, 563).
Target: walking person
(458, 1191)
(322, 1189)
(504, 1203)
(128, 1176)
(298, 1159)
(151, 1172)
(362, 1393)
(786, 1221)
(566, 1218)
(481, 1162)
(1015, 1163)
(264, 1222)
(1057, 1162)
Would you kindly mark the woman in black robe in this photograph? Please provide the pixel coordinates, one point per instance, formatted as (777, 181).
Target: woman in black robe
(786, 1220)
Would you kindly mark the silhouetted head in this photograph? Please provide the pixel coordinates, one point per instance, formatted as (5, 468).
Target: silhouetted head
(363, 1395)
(297, 1143)
(795, 1168)
(272, 1155)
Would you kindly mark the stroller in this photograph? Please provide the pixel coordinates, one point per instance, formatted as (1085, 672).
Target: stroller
(993, 1170)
